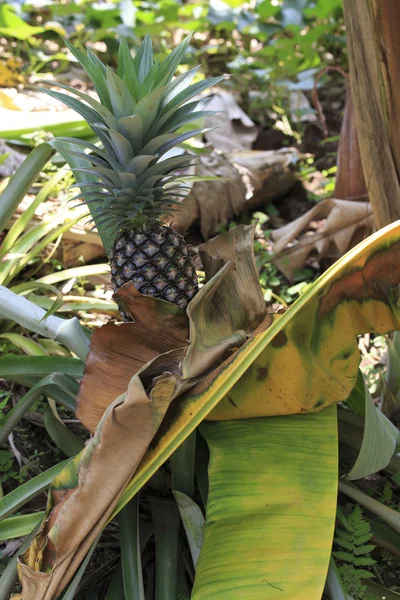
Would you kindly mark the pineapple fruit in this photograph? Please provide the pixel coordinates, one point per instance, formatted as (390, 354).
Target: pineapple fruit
(131, 187)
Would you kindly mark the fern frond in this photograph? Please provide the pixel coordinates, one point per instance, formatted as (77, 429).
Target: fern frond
(353, 537)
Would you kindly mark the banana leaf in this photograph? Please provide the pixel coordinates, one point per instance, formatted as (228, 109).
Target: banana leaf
(271, 507)
(272, 374)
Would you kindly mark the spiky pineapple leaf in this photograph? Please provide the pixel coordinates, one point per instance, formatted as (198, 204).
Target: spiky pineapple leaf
(138, 118)
(126, 70)
(169, 66)
(103, 111)
(95, 70)
(90, 115)
(144, 59)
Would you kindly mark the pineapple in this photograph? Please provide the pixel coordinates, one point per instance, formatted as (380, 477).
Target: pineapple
(132, 187)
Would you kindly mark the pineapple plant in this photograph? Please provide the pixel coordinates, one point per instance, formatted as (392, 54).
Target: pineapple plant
(130, 183)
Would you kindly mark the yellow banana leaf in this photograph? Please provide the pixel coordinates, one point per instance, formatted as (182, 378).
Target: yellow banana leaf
(358, 294)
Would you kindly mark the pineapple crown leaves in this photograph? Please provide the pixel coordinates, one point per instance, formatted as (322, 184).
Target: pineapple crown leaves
(140, 109)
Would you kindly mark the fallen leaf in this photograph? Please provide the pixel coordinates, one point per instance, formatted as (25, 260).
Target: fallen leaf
(249, 179)
(231, 128)
(344, 220)
(8, 78)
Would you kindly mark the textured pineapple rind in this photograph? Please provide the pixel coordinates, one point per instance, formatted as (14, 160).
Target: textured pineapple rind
(157, 262)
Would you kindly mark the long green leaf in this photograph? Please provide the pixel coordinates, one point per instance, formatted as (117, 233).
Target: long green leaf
(24, 288)
(391, 393)
(130, 551)
(41, 246)
(21, 182)
(25, 244)
(67, 441)
(44, 365)
(385, 537)
(116, 588)
(53, 348)
(20, 224)
(64, 391)
(25, 344)
(95, 70)
(379, 440)
(73, 304)
(20, 526)
(166, 521)
(271, 508)
(85, 271)
(56, 123)
(378, 592)
(182, 466)
(25, 492)
(334, 584)
(43, 387)
(193, 522)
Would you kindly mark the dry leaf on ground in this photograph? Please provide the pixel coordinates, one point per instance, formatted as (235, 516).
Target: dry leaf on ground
(346, 221)
(231, 129)
(249, 179)
(10, 74)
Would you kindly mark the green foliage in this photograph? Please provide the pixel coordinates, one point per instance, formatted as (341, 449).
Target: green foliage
(4, 398)
(283, 49)
(355, 551)
(7, 468)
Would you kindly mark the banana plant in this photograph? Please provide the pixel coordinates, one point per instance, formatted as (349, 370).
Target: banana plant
(263, 389)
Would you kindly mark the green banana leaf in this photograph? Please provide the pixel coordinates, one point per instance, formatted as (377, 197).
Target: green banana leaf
(271, 507)
(286, 367)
